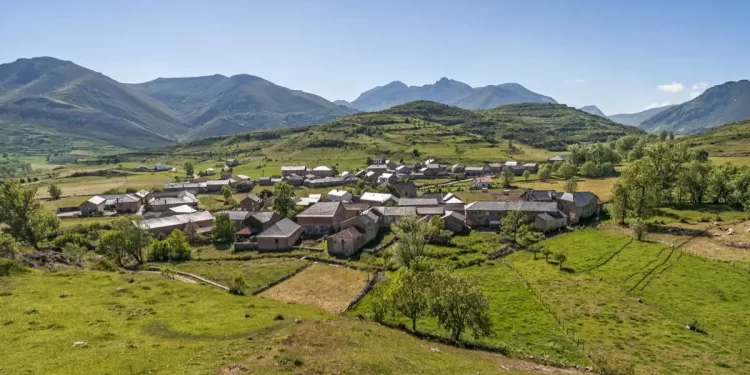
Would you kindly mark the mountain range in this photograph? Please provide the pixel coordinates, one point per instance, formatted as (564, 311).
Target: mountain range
(720, 104)
(636, 119)
(446, 91)
(62, 98)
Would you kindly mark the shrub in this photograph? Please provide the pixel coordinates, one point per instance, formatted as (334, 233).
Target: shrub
(238, 284)
(105, 265)
(11, 267)
(638, 229)
(77, 239)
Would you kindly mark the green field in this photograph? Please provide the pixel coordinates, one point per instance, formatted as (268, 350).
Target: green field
(598, 298)
(139, 324)
(257, 272)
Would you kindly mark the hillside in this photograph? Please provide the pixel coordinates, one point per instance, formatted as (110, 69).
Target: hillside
(635, 119)
(447, 91)
(433, 129)
(64, 104)
(726, 140)
(218, 105)
(721, 104)
(65, 98)
(594, 110)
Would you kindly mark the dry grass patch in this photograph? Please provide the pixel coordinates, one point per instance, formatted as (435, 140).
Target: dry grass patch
(328, 287)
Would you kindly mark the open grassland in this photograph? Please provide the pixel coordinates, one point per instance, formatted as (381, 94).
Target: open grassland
(602, 187)
(630, 302)
(131, 324)
(138, 324)
(521, 325)
(70, 223)
(327, 287)
(257, 272)
(91, 185)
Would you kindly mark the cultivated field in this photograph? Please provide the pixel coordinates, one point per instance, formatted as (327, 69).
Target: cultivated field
(327, 287)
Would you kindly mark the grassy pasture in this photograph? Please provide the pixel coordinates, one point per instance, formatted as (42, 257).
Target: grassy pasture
(598, 298)
(327, 287)
(257, 272)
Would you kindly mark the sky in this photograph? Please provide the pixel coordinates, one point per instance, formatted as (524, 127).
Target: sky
(622, 56)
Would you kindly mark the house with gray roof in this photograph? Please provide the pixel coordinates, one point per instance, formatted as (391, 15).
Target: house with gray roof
(475, 171)
(251, 202)
(280, 236)
(128, 203)
(94, 206)
(288, 170)
(203, 220)
(390, 215)
(321, 218)
(578, 205)
(550, 221)
(454, 221)
(354, 235)
(490, 213)
(238, 217)
(418, 202)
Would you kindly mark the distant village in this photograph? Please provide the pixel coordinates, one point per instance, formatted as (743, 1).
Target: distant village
(348, 222)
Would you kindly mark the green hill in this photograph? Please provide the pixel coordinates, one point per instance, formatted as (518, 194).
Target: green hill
(721, 104)
(432, 129)
(727, 140)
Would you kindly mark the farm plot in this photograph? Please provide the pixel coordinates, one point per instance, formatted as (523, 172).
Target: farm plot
(328, 287)
(257, 272)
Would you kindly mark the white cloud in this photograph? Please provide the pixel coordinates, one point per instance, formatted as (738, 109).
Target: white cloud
(656, 105)
(697, 89)
(578, 81)
(700, 86)
(673, 87)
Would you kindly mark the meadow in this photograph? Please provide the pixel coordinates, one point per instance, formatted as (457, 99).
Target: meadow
(257, 273)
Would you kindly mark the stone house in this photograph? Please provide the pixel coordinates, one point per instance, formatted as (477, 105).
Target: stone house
(261, 221)
(323, 171)
(390, 215)
(549, 221)
(321, 218)
(238, 217)
(482, 183)
(337, 195)
(380, 159)
(432, 170)
(490, 213)
(226, 175)
(474, 171)
(193, 187)
(453, 221)
(356, 233)
(355, 209)
(162, 202)
(94, 206)
(280, 236)
(579, 205)
(531, 167)
(232, 162)
(265, 181)
(377, 199)
(493, 168)
(215, 186)
(405, 189)
(299, 170)
(128, 203)
(251, 202)
(457, 168)
(294, 180)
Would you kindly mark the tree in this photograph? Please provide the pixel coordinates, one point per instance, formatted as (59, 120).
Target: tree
(410, 294)
(174, 248)
(589, 169)
(189, 168)
(544, 172)
(561, 258)
(546, 252)
(508, 177)
(534, 249)
(8, 246)
(74, 238)
(619, 202)
(191, 232)
(285, 200)
(571, 185)
(671, 136)
(526, 175)
(663, 136)
(75, 252)
(411, 235)
(54, 191)
(24, 216)
(223, 228)
(227, 192)
(567, 171)
(126, 242)
(512, 224)
(434, 227)
(638, 229)
(415, 153)
(461, 304)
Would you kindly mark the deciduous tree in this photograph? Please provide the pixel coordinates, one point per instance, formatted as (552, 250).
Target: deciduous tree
(189, 168)
(24, 216)
(54, 191)
(411, 235)
(284, 200)
(223, 228)
(460, 305)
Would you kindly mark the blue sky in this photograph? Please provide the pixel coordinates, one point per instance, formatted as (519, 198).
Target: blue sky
(619, 55)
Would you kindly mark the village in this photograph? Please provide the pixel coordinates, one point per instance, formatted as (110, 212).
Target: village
(347, 222)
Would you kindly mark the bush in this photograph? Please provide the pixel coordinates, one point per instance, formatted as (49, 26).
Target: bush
(238, 284)
(105, 265)
(77, 239)
(11, 267)
(638, 229)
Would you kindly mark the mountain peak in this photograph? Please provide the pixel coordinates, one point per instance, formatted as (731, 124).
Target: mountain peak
(594, 110)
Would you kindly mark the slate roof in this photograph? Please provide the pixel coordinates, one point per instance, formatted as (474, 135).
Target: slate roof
(429, 210)
(322, 168)
(97, 200)
(185, 185)
(321, 209)
(128, 198)
(375, 197)
(511, 163)
(557, 158)
(546, 216)
(474, 169)
(236, 215)
(579, 198)
(454, 215)
(282, 229)
(177, 220)
(523, 206)
(171, 200)
(542, 195)
(397, 211)
(263, 216)
(253, 198)
(417, 202)
(348, 233)
(378, 166)
(338, 193)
